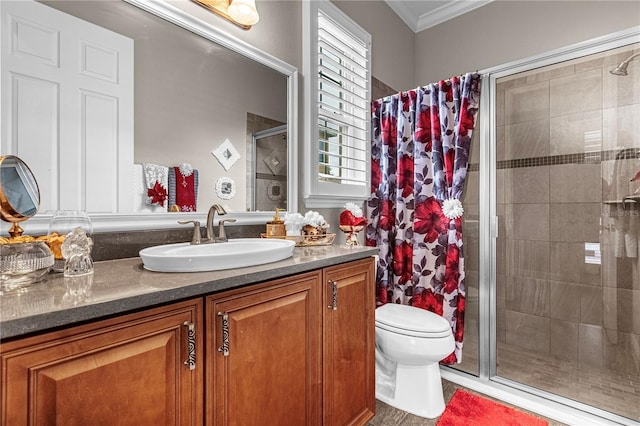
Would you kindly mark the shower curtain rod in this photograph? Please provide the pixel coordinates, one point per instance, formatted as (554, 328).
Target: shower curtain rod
(457, 75)
(449, 79)
(423, 85)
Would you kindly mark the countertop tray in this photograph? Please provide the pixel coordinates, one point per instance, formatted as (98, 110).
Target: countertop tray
(307, 240)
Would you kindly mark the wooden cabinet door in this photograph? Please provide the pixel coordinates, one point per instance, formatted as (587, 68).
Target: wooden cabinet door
(128, 370)
(349, 346)
(264, 362)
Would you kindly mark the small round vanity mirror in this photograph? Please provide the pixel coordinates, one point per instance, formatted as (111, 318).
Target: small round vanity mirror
(23, 260)
(19, 193)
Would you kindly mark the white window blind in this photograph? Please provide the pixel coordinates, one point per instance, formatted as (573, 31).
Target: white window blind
(339, 123)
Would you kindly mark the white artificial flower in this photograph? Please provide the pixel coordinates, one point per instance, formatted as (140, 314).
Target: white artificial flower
(293, 218)
(315, 219)
(293, 223)
(452, 208)
(186, 169)
(355, 210)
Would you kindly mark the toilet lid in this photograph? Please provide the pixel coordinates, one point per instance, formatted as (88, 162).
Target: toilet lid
(410, 319)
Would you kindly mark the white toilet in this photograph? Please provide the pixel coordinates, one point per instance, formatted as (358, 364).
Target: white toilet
(409, 344)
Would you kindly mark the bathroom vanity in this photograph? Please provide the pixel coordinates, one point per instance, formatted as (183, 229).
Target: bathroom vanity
(290, 342)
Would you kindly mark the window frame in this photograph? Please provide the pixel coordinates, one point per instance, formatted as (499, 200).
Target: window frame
(317, 193)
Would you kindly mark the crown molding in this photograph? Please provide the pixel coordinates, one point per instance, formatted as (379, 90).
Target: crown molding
(401, 9)
(436, 16)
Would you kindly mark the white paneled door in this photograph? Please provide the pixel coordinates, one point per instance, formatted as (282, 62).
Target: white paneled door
(67, 106)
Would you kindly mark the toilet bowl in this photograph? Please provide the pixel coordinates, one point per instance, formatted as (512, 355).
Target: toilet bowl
(409, 344)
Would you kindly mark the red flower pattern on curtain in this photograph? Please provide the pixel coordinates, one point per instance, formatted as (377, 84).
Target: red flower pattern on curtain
(420, 152)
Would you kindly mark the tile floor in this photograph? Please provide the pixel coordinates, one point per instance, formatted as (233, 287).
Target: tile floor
(610, 390)
(618, 392)
(389, 416)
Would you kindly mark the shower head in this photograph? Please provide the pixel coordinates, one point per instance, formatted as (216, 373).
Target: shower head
(621, 69)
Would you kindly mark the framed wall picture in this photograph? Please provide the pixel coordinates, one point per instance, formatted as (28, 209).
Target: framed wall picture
(226, 188)
(226, 154)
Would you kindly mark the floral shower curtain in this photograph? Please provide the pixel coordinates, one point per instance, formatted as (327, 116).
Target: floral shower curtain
(420, 151)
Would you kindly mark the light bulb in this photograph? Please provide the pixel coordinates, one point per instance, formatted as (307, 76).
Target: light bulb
(244, 11)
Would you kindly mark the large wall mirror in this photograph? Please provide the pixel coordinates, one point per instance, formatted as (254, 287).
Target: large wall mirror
(187, 93)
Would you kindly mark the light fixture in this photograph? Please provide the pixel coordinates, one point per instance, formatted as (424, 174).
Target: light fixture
(243, 13)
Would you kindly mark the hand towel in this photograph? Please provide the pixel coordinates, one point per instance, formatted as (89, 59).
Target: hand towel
(183, 187)
(141, 186)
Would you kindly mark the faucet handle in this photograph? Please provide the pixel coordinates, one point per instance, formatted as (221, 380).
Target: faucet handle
(196, 230)
(222, 235)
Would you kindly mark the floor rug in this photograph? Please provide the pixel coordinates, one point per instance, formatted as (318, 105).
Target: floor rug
(467, 409)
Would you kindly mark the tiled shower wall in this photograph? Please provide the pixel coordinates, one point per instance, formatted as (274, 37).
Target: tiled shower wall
(559, 132)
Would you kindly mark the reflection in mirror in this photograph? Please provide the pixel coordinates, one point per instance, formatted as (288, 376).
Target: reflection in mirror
(19, 193)
(178, 96)
(269, 179)
(18, 187)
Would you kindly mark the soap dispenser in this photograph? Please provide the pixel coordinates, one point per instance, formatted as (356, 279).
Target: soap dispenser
(276, 228)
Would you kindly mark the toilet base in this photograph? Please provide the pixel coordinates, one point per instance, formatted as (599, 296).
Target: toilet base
(418, 390)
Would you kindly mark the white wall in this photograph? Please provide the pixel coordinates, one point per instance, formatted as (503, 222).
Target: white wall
(504, 31)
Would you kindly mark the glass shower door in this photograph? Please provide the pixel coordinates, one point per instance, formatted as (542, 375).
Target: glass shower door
(567, 256)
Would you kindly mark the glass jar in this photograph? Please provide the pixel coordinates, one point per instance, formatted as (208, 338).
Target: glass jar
(23, 263)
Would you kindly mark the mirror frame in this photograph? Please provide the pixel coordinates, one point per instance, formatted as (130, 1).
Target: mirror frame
(8, 212)
(146, 221)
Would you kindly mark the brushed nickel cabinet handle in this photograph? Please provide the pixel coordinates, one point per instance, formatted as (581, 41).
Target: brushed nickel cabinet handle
(334, 295)
(191, 345)
(225, 334)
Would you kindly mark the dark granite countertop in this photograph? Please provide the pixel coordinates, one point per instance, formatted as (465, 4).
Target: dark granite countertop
(121, 286)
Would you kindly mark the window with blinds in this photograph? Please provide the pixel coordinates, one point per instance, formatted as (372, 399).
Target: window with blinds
(339, 70)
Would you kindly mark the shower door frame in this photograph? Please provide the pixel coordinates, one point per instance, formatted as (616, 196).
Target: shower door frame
(283, 128)
(487, 380)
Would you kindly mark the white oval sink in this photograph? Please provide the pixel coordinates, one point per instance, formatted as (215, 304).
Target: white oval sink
(236, 253)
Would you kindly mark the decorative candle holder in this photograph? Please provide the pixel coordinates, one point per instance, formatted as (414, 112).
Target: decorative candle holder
(352, 234)
(63, 223)
(76, 250)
